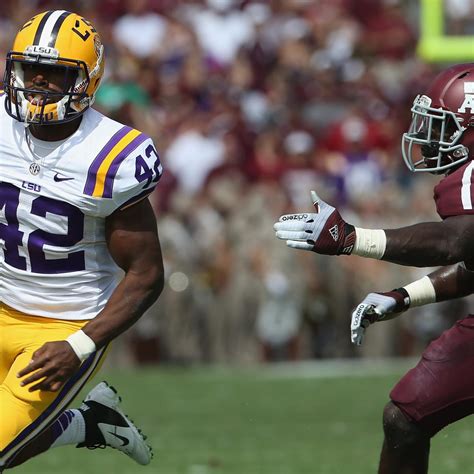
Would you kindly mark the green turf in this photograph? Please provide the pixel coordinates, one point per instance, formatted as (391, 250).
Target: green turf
(255, 422)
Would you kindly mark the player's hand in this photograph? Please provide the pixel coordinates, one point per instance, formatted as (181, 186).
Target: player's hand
(323, 231)
(50, 367)
(376, 307)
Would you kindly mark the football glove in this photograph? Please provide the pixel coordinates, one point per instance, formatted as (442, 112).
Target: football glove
(376, 307)
(323, 231)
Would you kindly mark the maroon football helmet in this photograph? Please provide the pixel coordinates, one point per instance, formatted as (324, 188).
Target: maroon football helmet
(442, 126)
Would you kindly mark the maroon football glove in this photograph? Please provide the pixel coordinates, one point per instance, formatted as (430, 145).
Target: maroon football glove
(323, 231)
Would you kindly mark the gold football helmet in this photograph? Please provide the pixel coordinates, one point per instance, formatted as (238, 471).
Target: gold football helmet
(54, 68)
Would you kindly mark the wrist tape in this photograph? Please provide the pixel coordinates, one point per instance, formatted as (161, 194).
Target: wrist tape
(370, 243)
(81, 344)
(421, 292)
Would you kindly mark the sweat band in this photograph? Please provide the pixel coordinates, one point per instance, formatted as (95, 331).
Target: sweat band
(81, 344)
(370, 243)
(421, 292)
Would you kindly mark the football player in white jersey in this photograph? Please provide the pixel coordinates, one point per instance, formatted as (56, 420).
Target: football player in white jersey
(80, 258)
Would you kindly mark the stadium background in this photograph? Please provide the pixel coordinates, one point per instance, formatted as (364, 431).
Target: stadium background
(251, 104)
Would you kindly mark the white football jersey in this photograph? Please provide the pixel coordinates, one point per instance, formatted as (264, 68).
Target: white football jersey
(54, 260)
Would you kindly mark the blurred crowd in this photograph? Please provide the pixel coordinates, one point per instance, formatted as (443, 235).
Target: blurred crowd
(251, 105)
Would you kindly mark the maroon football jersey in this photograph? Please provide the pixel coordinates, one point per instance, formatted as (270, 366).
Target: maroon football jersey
(454, 194)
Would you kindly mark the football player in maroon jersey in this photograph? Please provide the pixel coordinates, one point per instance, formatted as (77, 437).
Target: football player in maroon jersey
(440, 389)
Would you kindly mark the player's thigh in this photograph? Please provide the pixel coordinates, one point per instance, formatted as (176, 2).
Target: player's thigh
(18, 406)
(5, 363)
(440, 389)
(26, 414)
(8, 334)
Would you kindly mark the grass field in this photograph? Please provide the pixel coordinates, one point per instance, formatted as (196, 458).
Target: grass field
(304, 419)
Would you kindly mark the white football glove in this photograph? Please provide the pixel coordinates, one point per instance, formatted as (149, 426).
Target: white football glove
(376, 307)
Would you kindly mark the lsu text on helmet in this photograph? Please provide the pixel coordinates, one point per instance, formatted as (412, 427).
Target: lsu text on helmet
(441, 134)
(57, 44)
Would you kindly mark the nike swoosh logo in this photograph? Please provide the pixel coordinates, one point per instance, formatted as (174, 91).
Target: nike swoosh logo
(58, 178)
(124, 440)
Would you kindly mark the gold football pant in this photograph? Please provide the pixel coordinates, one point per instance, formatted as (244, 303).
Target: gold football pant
(24, 414)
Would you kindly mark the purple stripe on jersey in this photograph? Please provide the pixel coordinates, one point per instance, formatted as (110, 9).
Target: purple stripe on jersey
(114, 166)
(138, 197)
(94, 167)
(86, 365)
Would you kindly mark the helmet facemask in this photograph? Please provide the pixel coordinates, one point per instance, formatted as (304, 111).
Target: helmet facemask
(52, 102)
(436, 133)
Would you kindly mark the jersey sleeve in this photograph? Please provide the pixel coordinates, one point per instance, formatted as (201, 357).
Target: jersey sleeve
(137, 175)
(124, 171)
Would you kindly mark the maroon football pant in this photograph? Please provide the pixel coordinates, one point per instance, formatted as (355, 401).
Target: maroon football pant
(440, 389)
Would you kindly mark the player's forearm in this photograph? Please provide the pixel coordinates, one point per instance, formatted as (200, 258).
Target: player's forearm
(428, 244)
(132, 297)
(452, 282)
